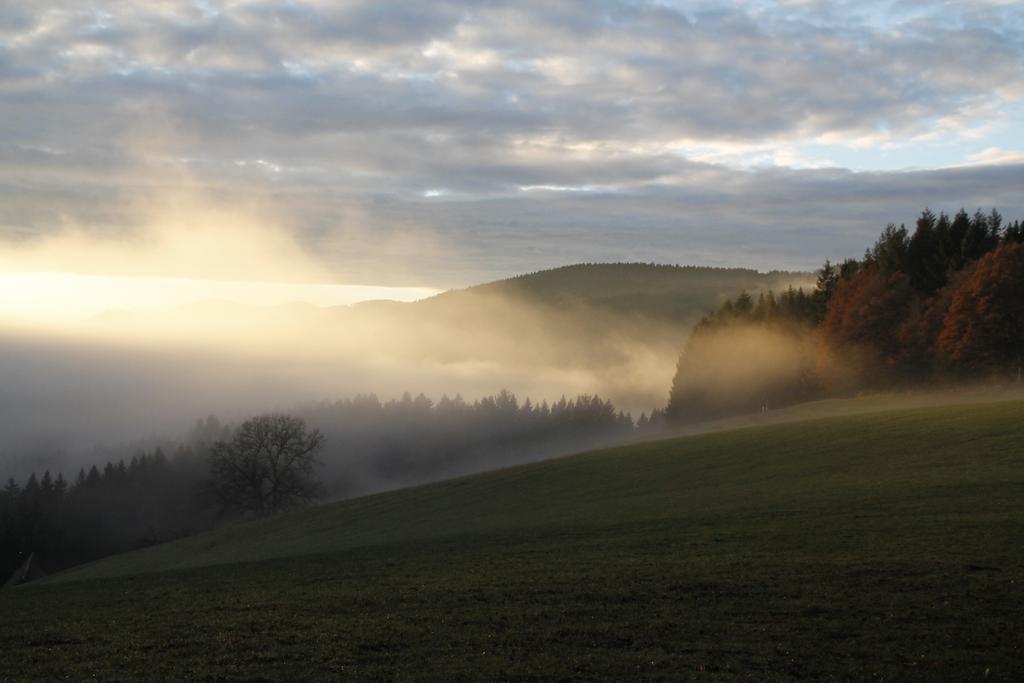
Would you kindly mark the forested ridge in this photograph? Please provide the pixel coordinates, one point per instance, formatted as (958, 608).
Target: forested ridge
(940, 304)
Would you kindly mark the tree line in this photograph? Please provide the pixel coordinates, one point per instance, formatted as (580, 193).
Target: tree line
(940, 303)
(271, 463)
(374, 445)
(104, 510)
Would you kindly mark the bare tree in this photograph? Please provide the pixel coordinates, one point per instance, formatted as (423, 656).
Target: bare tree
(267, 466)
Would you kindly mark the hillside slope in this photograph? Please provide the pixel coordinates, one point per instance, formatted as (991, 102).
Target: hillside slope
(889, 457)
(879, 545)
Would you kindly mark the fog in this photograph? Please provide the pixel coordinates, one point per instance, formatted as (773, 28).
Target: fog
(123, 377)
(744, 367)
(210, 305)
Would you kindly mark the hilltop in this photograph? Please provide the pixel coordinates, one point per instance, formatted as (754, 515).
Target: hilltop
(656, 291)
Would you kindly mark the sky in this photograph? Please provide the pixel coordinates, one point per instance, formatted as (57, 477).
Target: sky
(442, 144)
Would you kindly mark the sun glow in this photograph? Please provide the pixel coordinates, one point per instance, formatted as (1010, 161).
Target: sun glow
(52, 297)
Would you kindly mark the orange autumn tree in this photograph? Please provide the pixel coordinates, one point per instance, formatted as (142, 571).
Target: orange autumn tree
(918, 334)
(859, 333)
(984, 327)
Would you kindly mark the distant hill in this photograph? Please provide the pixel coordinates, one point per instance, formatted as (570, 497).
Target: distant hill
(615, 329)
(870, 546)
(611, 329)
(664, 292)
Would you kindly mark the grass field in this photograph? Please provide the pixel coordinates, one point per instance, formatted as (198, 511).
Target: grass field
(879, 545)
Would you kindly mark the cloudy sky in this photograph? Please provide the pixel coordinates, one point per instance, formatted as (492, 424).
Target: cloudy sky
(445, 143)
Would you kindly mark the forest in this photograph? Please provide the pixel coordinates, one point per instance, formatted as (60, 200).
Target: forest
(370, 445)
(939, 305)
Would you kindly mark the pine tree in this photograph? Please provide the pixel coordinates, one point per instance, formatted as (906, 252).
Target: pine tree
(890, 251)
(1014, 232)
(925, 264)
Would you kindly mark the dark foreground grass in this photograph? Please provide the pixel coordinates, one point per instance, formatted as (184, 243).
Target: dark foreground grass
(887, 546)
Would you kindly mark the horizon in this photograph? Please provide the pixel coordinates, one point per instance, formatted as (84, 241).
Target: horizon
(74, 297)
(60, 298)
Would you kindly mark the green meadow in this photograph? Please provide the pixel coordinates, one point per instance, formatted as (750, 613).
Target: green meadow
(877, 545)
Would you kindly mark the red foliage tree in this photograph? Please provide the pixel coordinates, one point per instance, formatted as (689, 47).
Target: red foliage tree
(984, 327)
(918, 334)
(862, 321)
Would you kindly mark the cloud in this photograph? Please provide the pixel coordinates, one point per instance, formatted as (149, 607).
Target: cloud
(337, 109)
(995, 155)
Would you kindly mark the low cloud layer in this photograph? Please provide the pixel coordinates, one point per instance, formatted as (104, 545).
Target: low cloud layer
(456, 141)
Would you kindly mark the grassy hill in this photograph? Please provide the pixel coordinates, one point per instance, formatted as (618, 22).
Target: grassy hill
(882, 545)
